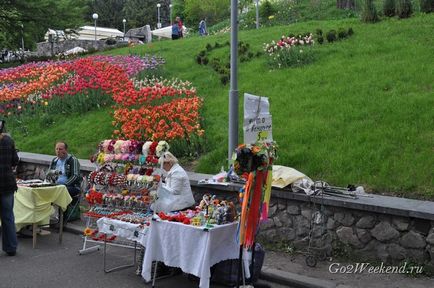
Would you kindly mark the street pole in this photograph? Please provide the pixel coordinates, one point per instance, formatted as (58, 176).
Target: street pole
(257, 14)
(124, 21)
(233, 92)
(22, 37)
(95, 17)
(170, 13)
(158, 16)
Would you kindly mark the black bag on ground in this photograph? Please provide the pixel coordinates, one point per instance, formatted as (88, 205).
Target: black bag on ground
(226, 272)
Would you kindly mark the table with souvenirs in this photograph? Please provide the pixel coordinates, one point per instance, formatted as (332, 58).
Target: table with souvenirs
(126, 183)
(34, 202)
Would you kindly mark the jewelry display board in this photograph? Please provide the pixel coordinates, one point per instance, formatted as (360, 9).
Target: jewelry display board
(121, 190)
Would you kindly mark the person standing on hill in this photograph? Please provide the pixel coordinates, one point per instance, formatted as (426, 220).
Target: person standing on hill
(175, 31)
(202, 28)
(8, 186)
(180, 26)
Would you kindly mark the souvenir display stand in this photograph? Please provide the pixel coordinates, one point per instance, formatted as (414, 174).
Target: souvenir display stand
(254, 163)
(121, 190)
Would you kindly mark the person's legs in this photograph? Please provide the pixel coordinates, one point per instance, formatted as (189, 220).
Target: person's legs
(9, 235)
(69, 214)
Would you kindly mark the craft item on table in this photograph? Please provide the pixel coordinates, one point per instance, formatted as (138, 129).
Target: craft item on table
(256, 160)
(52, 175)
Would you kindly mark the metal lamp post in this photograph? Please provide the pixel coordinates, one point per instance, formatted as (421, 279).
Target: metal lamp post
(95, 17)
(158, 16)
(22, 37)
(233, 92)
(124, 21)
(170, 13)
(257, 14)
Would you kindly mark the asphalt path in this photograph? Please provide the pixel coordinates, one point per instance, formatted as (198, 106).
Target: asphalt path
(54, 265)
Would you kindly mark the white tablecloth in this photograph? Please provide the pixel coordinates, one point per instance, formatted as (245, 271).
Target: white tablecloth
(190, 248)
(123, 229)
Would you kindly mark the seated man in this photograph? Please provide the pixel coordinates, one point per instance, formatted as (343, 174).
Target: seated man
(69, 171)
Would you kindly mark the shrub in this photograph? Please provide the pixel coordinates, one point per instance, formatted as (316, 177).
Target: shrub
(350, 31)
(217, 45)
(224, 78)
(205, 60)
(266, 9)
(331, 36)
(369, 13)
(427, 6)
(342, 33)
(110, 41)
(389, 8)
(404, 9)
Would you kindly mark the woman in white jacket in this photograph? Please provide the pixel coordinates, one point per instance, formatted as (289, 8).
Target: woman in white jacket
(176, 192)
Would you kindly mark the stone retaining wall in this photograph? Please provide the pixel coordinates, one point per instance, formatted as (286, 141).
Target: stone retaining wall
(378, 228)
(44, 48)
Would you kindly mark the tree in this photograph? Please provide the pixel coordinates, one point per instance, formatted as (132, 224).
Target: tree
(389, 8)
(346, 4)
(139, 13)
(404, 8)
(213, 10)
(369, 13)
(36, 16)
(427, 6)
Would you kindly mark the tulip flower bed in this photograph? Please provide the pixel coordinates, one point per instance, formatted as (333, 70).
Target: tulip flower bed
(158, 109)
(51, 85)
(149, 109)
(290, 51)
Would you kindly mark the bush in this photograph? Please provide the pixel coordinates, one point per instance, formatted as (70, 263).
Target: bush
(404, 9)
(266, 9)
(110, 41)
(389, 8)
(369, 13)
(342, 33)
(331, 36)
(350, 31)
(427, 6)
(205, 60)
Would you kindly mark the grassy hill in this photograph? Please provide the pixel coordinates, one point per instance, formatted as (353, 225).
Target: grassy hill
(361, 113)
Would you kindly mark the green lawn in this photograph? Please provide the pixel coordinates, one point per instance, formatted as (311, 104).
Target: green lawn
(362, 113)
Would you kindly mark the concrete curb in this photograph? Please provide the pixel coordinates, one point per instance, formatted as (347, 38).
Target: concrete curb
(267, 273)
(293, 280)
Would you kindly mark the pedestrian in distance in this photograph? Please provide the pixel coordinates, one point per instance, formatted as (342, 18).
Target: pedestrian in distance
(8, 185)
(202, 28)
(175, 30)
(180, 26)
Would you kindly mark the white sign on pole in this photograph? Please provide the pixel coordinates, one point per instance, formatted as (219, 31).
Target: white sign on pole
(257, 124)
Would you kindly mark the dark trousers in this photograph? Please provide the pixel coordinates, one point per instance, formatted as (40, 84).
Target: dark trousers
(74, 192)
(9, 235)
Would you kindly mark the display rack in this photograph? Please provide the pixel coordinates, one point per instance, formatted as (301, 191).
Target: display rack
(121, 190)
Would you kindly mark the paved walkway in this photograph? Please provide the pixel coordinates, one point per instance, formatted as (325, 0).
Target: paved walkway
(289, 270)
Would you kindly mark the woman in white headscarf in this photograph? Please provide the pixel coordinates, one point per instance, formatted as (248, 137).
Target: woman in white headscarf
(175, 193)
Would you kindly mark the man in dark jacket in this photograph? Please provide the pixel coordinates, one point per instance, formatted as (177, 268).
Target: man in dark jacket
(8, 185)
(68, 167)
